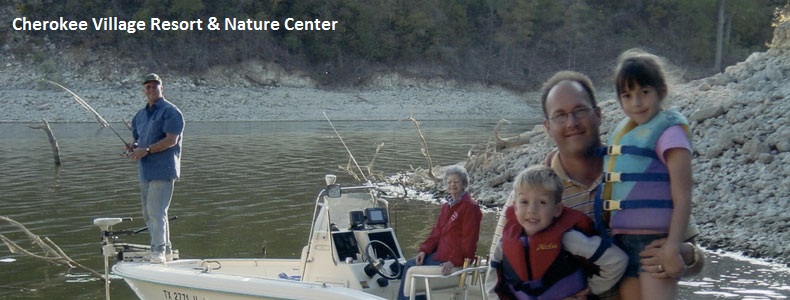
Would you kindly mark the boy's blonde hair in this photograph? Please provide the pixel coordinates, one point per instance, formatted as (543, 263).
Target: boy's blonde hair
(542, 177)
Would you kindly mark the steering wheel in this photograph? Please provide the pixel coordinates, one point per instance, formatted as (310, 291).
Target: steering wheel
(378, 264)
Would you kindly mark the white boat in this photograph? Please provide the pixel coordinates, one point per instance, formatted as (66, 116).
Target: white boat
(351, 253)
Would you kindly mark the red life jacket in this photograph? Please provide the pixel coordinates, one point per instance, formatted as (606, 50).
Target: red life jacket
(545, 271)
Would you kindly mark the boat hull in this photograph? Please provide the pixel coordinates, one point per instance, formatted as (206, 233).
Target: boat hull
(227, 280)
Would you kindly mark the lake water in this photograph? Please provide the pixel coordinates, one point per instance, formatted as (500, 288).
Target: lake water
(245, 186)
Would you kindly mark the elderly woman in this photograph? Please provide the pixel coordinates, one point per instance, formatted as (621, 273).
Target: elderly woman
(454, 237)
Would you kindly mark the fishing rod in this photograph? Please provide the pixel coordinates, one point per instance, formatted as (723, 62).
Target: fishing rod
(142, 229)
(87, 107)
(347, 150)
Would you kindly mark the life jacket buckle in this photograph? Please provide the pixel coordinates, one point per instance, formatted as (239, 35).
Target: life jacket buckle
(612, 177)
(611, 205)
(614, 150)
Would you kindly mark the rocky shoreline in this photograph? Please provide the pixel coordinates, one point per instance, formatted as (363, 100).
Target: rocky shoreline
(740, 119)
(205, 103)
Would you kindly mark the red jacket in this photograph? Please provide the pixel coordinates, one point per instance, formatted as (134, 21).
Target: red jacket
(454, 237)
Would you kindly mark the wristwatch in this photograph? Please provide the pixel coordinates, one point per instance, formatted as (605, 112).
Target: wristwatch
(148, 150)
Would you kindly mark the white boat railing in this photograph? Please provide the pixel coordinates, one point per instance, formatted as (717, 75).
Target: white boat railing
(425, 279)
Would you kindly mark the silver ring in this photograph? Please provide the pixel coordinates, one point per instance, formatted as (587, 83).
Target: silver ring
(660, 268)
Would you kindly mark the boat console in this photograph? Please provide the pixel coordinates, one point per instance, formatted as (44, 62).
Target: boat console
(365, 226)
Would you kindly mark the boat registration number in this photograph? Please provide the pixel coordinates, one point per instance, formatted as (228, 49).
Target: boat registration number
(176, 295)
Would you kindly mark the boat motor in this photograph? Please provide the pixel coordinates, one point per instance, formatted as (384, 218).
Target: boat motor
(107, 246)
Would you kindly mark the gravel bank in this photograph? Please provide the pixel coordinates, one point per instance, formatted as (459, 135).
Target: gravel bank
(740, 120)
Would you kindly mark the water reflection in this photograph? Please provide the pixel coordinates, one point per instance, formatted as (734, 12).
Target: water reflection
(730, 276)
(244, 185)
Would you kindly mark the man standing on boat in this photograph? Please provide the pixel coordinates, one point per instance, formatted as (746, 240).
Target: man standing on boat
(157, 130)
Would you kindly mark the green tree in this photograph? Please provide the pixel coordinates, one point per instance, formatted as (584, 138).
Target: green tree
(186, 8)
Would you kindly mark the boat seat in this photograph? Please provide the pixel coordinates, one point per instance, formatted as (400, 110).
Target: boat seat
(422, 280)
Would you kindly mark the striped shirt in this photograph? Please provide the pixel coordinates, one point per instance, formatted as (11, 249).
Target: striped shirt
(576, 195)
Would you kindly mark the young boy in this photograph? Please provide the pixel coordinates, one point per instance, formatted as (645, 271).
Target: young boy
(548, 250)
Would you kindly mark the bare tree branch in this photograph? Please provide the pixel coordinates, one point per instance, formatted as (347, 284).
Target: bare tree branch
(51, 252)
(424, 148)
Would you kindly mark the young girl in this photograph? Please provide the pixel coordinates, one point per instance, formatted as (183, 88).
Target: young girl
(647, 176)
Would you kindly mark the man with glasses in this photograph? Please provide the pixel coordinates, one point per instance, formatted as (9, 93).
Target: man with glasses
(573, 120)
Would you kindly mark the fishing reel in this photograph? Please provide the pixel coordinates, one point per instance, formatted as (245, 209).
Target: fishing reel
(129, 149)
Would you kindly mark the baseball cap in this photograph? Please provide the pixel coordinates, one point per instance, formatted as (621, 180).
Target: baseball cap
(152, 77)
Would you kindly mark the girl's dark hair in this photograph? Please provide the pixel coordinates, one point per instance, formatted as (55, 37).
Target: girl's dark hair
(636, 66)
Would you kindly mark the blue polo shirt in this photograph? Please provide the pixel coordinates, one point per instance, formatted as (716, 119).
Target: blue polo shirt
(149, 126)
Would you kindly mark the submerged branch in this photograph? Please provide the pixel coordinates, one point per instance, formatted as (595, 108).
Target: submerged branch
(372, 162)
(424, 149)
(51, 252)
(497, 142)
(483, 155)
(350, 170)
(52, 141)
(368, 168)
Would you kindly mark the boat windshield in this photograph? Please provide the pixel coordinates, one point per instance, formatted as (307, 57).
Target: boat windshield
(339, 209)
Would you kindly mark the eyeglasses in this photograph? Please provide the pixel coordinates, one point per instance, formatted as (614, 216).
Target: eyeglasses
(579, 113)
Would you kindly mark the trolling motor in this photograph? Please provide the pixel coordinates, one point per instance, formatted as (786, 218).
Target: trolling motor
(107, 246)
(110, 248)
(124, 251)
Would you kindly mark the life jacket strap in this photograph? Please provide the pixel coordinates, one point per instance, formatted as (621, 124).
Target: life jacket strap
(606, 242)
(636, 203)
(563, 266)
(534, 287)
(495, 264)
(620, 149)
(600, 224)
(620, 177)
